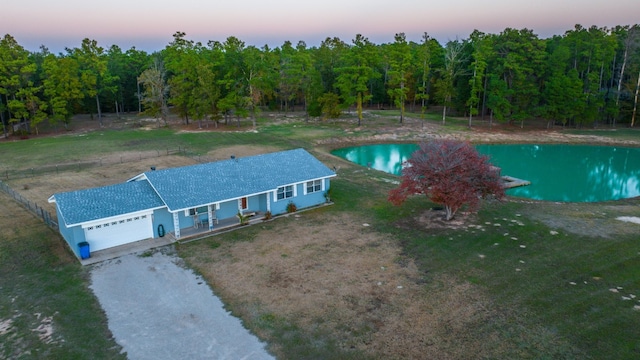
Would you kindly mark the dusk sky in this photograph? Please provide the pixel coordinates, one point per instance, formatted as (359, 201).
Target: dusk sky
(149, 24)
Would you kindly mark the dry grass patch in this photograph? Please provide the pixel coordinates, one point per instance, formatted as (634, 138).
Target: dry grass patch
(331, 273)
(240, 151)
(39, 188)
(589, 219)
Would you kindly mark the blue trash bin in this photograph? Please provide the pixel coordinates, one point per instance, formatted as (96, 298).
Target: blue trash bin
(85, 252)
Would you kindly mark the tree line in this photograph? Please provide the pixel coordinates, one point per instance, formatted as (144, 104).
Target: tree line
(585, 77)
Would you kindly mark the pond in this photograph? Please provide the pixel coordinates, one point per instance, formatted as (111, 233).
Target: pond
(570, 173)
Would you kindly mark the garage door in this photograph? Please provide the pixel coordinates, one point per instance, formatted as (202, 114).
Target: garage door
(120, 232)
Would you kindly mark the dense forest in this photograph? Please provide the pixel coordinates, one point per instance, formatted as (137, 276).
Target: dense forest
(586, 77)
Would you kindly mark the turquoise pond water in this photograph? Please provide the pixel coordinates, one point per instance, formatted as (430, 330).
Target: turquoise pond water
(571, 173)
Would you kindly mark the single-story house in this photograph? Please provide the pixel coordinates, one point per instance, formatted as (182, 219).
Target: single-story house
(169, 200)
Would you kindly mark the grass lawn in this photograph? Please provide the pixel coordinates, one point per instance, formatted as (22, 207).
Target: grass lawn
(575, 294)
(46, 308)
(520, 279)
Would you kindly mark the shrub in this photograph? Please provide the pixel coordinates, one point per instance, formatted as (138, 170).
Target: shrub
(327, 195)
(244, 219)
(291, 207)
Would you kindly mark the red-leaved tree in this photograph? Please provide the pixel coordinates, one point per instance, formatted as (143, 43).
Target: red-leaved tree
(450, 173)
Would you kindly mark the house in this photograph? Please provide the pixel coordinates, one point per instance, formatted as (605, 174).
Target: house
(173, 200)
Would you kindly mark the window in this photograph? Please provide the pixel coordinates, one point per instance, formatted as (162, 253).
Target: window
(314, 186)
(285, 192)
(195, 211)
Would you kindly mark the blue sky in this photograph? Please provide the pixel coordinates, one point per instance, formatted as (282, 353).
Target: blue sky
(149, 25)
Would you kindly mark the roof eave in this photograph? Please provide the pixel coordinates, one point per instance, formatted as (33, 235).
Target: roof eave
(107, 219)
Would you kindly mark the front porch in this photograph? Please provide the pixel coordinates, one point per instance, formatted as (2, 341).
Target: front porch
(201, 229)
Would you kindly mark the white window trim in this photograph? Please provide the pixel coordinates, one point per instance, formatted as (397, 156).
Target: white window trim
(295, 192)
(306, 184)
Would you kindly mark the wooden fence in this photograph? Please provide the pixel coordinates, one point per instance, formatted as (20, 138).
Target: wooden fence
(8, 174)
(78, 166)
(31, 206)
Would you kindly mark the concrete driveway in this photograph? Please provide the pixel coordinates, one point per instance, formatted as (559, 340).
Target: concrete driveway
(159, 310)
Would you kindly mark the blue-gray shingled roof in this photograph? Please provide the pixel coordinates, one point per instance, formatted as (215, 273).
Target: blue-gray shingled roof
(82, 206)
(195, 185)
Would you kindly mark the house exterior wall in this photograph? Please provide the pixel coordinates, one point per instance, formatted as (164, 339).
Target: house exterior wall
(72, 235)
(262, 202)
(253, 203)
(280, 206)
(162, 217)
(185, 220)
(227, 209)
(312, 199)
(78, 236)
(300, 199)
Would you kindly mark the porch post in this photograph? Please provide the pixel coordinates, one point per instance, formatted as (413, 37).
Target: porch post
(269, 201)
(176, 225)
(210, 214)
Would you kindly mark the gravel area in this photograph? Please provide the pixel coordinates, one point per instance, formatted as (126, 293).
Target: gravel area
(158, 309)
